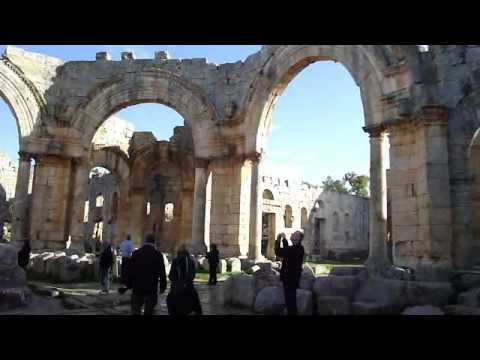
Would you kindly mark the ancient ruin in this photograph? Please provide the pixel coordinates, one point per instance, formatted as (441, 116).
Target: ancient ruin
(205, 184)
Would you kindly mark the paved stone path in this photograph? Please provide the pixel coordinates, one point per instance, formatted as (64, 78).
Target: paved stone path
(85, 299)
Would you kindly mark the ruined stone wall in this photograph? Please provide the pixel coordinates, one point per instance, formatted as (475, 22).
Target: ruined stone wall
(8, 175)
(349, 238)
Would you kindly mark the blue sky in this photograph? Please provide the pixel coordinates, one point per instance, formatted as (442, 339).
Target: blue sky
(317, 122)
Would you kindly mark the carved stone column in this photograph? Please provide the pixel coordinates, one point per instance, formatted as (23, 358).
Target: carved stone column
(377, 259)
(255, 246)
(138, 215)
(78, 196)
(199, 204)
(20, 217)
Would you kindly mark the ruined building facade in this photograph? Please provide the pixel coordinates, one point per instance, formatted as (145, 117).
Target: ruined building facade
(427, 101)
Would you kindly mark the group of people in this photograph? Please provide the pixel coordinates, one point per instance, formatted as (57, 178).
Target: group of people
(143, 272)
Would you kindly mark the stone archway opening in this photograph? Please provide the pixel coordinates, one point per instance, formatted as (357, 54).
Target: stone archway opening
(366, 75)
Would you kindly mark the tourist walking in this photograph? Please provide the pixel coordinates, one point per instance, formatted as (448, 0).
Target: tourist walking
(126, 250)
(105, 265)
(183, 298)
(24, 255)
(213, 258)
(291, 271)
(280, 238)
(145, 274)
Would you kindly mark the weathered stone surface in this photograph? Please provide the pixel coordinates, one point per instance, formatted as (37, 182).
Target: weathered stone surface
(222, 267)
(468, 281)
(470, 298)
(333, 305)
(401, 294)
(370, 308)
(239, 290)
(270, 301)
(234, 265)
(266, 278)
(13, 297)
(336, 286)
(308, 278)
(346, 270)
(423, 310)
(321, 270)
(461, 310)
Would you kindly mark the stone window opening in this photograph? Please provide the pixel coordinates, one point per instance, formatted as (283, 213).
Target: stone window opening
(288, 217)
(268, 195)
(148, 208)
(169, 212)
(304, 217)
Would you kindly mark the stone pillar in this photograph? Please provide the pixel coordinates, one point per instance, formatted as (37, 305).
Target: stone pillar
(230, 206)
(51, 188)
(138, 215)
(199, 204)
(20, 217)
(255, 246)
(123, 212)
(377, 259)
(78, 196)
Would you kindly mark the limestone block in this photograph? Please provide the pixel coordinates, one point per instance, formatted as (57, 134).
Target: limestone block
(239, 290)
(234, 265)
(266, 278)
(14, 297)
(461, 310)
(336, 286)
(8, 256)
(423, 310)
(307, 279)
(370, 308)
(333, 305)
(468, 281)
(470, 298)
(382, 292)
(347, 270)
(270, 301)
(222, 267)
(203, 263)
(429, 293)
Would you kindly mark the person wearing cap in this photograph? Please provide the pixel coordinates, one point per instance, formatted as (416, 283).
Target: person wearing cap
(145, 275)
(291, 270)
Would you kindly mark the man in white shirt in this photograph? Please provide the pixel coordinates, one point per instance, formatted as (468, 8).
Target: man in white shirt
(126, 248)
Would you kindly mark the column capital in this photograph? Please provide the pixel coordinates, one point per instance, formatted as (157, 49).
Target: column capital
(374, 131)
(254, 157)
(201, 163)
(24, 156)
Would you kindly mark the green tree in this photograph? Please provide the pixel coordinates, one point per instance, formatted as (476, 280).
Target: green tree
(334, 185)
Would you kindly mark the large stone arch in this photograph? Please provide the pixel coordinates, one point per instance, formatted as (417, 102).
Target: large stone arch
(21, 97)
(113, 159)
(160, 87)
(368, 65)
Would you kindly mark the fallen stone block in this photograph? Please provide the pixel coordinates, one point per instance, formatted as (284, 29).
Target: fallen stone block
(239, 290)
(14, 297)
(423, 311)
(266, 278)
(461, 310)
(222, 267)
(271, 301)
(347, 270)
(369, 308)
(470, 298)
(234, 265)
(333, 305)
(344, 286)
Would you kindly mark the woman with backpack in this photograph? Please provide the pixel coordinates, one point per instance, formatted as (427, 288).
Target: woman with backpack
(183, 297)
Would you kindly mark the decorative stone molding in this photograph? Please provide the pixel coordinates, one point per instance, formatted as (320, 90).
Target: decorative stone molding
(103, 55)
(374, 131)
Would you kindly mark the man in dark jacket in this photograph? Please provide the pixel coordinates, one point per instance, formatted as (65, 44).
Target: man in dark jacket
(291, 271)
(146, 268)
(213, 258)
(183, 298)
(24, 255)
(105, 264)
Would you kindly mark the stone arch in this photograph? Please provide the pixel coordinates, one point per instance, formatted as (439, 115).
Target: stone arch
(368, 65)
(22, 99)
(112, 159)
(160, 87)
(288, 217)
(336, 222)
